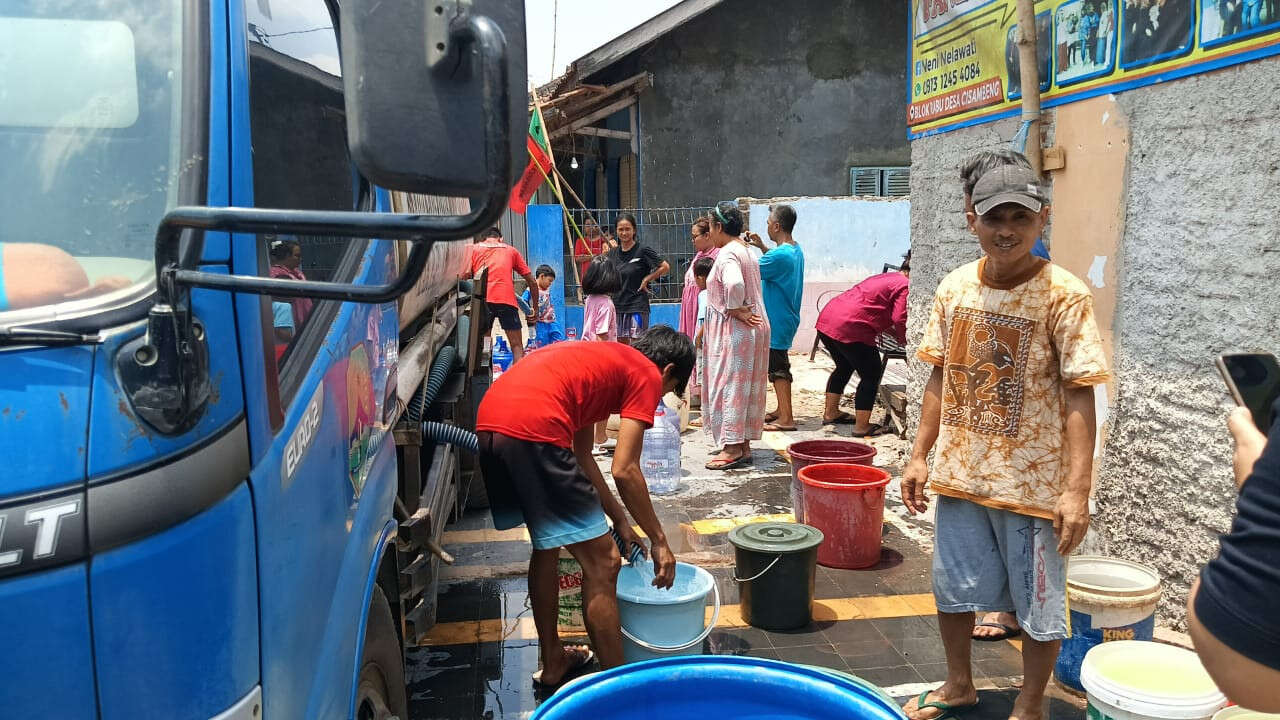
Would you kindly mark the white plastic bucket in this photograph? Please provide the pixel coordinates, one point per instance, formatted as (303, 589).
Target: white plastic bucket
(1239, 713)
(1110, 600)
(1135, 680)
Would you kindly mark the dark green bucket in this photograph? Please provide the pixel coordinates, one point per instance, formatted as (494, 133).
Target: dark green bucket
(776, 564)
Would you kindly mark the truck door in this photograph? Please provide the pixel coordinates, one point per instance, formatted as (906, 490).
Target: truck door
(322, 478)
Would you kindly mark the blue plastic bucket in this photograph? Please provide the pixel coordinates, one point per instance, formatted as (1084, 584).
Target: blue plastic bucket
(713, 686)
(660, 623)
(1110, 600)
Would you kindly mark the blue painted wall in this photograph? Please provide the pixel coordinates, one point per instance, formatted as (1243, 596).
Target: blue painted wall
(846, 239)
(547, 245)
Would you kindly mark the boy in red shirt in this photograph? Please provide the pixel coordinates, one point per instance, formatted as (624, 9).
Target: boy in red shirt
(536, 429)
(500, 294)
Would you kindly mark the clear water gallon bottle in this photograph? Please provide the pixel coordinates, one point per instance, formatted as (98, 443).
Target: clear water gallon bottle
(660, 455)
(501, 357)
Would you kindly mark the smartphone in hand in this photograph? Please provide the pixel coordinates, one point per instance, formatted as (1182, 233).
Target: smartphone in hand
(1254, 382)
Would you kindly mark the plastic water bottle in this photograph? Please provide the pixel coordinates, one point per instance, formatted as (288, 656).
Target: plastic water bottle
(660, 455)
(571, 334)
(671, 416)
(501, 357)
(531, 346)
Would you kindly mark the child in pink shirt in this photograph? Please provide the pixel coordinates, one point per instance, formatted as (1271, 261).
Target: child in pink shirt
(599, 321)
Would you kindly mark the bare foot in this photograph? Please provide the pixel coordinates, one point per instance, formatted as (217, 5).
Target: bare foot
(1027, 710)
(770, 417)
(983, 631)
(956, 697)
(573, 659)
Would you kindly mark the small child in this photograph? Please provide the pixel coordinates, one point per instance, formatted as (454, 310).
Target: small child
(599, 321)
(547, 330)
(701, 270)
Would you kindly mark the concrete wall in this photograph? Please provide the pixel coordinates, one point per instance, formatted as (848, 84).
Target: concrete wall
(1198, 268)
(844, 240)
(1194, 271)
(759, 99)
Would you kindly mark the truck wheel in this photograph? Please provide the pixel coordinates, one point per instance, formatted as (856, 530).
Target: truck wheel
(381, 692)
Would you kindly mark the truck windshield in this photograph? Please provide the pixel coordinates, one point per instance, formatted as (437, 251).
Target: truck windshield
(91, 148)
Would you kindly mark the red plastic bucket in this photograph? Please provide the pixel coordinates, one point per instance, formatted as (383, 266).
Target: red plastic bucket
(811, 452)
(845, 502)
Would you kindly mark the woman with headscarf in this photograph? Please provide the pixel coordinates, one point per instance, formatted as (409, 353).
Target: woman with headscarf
(735, 345)
(286, 262)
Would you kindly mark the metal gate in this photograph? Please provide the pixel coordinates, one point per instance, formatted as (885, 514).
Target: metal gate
(666, 230)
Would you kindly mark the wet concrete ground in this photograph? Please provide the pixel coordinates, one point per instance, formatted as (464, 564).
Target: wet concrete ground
(877, 623)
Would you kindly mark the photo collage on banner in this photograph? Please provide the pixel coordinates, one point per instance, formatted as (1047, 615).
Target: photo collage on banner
(964, 63)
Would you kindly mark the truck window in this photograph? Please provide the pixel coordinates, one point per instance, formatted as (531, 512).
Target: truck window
(300, 162)
(92, 149)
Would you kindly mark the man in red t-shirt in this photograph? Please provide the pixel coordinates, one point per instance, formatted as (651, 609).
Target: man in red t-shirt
(500, 293)
(536, 426)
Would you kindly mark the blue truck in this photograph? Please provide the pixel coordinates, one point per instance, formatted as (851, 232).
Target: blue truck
(235, 357)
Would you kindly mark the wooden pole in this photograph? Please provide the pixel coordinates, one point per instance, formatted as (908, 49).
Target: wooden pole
(555, 177)
(1030, 74)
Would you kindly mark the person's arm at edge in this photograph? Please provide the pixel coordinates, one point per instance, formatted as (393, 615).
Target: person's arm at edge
(635, 496)
(916, 474)
(1243, 680)
(583, 440)
(1071, 516)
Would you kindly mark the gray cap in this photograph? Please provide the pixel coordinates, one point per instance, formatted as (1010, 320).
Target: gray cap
(1008, 184)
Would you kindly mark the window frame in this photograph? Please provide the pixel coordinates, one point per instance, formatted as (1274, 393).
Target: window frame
(286, 377)
(881, 173)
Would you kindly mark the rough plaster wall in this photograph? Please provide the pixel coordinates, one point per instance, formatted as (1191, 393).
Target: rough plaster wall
(762, 99)
(1199, 262)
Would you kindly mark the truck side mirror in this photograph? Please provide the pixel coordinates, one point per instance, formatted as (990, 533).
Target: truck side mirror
(428, 85)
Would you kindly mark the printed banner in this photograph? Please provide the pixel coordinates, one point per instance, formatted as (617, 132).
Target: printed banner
(963, 62)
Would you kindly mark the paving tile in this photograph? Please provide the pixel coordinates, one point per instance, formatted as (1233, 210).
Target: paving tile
(857, 583)
(451, 709)
(767, 653)
(823, 655)
(992, 705)
(899, 628)
(737, 641)
(937, 672)
(921, 650)
(824, 586)
(889, 676)
(999, 668)
(852, 631)
(870, 654)
(458, 601)
(810, 634)
(992, 651)
(436, 674)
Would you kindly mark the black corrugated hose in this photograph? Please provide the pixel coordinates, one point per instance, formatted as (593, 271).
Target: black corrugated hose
(440, 369)
(452, 434)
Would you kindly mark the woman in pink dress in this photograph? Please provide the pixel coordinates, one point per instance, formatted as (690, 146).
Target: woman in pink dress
(735, 345)
(599, 321)
(286, 262)
(703, 247)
